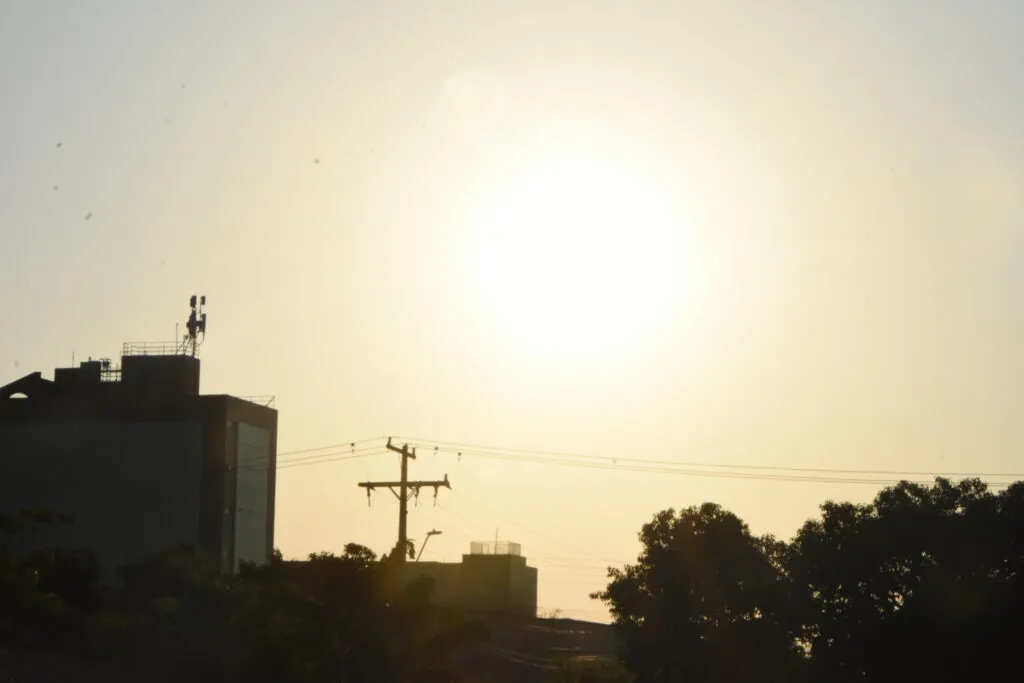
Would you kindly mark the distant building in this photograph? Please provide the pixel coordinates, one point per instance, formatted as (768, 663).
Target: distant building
(493, 577)
(143, 461)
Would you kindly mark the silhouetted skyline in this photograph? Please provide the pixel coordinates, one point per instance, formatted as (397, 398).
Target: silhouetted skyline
(792, 238)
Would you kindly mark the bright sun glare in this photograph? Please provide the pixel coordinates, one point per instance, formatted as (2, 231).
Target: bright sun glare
(580, 256)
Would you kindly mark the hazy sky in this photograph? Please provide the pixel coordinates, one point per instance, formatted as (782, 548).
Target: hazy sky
(784, 234)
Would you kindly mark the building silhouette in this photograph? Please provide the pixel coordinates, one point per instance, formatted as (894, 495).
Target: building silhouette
(492, 578)
(141, 459)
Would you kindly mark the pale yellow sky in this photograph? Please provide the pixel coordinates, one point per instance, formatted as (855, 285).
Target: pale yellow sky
(835, 283)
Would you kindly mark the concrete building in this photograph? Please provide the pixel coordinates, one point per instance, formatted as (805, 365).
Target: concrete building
(493, 578)
(141, 459)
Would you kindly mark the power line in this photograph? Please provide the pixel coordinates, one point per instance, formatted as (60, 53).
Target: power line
(368, 450)
(344, 444)
(324, 461)
(453, 513)
(458, 528)
(320, 457)
(572, 571)
(575, 562)
(548, 560)
(580, 568)
(339, 459)
(538, 534)
(618, 466)
(702, 473)
(640, 465)
(464, 448)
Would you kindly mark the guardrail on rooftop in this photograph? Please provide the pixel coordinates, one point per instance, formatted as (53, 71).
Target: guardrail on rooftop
(495, 548)
(152, 349)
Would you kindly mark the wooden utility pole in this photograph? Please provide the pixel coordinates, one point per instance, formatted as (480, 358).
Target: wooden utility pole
(405, 489)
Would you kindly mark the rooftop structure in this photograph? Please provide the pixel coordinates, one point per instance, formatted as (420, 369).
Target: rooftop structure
(493, 577)
(142, 460)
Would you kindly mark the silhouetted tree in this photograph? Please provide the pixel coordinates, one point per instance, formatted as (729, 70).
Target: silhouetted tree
(44, 593)
(706, 601)
(175, 617)
(922, 583)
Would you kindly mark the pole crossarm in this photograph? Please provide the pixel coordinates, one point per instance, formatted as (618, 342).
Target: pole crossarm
(413, 486)
(422, 484)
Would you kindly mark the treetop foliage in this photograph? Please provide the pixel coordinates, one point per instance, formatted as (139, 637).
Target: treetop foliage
(923, 583)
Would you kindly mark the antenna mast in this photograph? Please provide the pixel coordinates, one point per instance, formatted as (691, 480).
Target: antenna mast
(196, 326)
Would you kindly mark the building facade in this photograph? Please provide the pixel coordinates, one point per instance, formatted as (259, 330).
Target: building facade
(142, 461)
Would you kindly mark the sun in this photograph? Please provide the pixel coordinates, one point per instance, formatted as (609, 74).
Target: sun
(580, 256)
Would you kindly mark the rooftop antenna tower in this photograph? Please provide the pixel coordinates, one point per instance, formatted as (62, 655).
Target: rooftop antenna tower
(196, 326)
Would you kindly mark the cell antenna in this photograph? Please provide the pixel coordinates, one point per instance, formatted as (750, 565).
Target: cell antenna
(196, 326)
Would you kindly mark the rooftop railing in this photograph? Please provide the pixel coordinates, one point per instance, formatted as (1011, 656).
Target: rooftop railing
(153, 349)
(495, 548)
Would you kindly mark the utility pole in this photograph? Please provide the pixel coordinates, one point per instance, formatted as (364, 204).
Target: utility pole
(403, 494)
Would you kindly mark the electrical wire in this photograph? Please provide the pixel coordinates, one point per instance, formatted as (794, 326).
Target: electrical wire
(255, 460)
(703, 473)
(325, 460)
(639, 465)
(538, 534)
(344, 444)
(244, 460)
(582, 567)
(456, 447)
(338, 459)
(579, 566)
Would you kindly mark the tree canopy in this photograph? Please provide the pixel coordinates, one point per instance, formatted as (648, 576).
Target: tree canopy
(706, 601)
(923, 583)
(171, 618)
